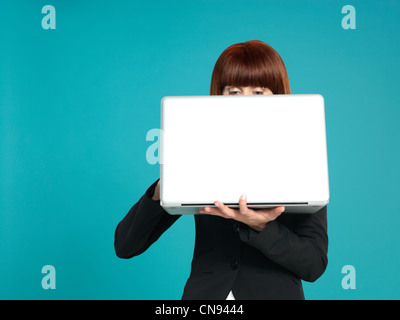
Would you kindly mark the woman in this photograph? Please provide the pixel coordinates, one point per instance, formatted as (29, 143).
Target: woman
(242, 253)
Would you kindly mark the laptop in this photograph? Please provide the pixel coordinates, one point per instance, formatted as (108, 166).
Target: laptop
(271, 148)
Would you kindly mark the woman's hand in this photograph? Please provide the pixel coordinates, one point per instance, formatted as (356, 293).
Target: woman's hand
(256, 219)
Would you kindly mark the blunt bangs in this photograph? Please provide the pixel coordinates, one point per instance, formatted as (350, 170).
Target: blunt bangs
(252, 63)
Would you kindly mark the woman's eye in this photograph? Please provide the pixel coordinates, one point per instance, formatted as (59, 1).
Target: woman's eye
(258, 92)
(233, 92)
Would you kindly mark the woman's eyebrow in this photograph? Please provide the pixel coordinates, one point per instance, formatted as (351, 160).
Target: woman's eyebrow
(233, 87)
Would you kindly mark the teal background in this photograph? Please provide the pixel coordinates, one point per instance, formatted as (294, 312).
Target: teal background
(76, 104)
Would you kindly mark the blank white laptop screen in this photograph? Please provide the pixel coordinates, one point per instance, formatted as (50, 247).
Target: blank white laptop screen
(271, 148)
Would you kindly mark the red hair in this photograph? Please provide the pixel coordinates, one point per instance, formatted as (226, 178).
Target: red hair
(251, 63)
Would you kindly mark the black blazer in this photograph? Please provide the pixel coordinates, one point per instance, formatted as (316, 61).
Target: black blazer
(229, 255)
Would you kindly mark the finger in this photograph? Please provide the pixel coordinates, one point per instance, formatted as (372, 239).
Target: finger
(276, 212)
(243, 204)
(225, 210)
(281, 209)
(272, 212)
(210, 210)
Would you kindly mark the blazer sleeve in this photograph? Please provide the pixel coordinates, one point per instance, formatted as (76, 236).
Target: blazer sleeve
(145, 222)
(302, 250)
